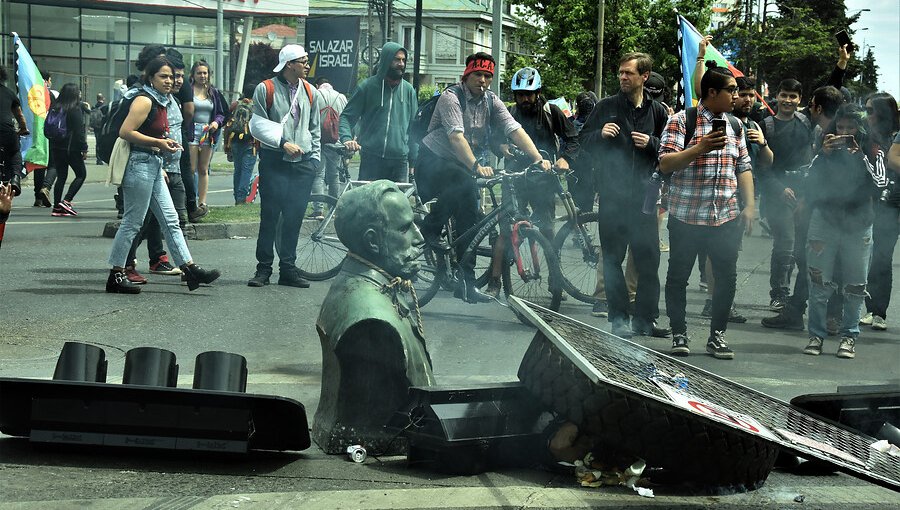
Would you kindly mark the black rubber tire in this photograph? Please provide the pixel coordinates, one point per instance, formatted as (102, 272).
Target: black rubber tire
(319, 257)
(688, 448)
(579, 271)
(546, 290)
(430, 276)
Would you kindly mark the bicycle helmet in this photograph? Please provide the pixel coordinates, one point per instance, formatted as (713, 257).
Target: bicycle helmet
(526, 78)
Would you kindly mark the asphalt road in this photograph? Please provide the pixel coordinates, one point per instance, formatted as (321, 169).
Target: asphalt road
(52, 272)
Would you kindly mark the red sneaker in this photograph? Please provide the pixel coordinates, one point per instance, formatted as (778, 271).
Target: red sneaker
(133, 276)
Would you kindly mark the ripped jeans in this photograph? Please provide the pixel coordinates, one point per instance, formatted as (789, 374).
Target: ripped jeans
(828, 245)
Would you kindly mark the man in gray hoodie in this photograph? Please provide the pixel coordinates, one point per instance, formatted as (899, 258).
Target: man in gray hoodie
(382, 108)
(289, 158)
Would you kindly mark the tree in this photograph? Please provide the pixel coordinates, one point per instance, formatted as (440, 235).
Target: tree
(562, 34)
(261, 59)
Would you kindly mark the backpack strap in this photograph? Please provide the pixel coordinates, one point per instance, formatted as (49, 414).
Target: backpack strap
(769, 123)
(690, 124)
(804, 120)
(735, 125)
(270, 93)
(309, 91)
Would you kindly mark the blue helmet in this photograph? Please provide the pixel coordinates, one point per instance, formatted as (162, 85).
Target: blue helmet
(526, 78)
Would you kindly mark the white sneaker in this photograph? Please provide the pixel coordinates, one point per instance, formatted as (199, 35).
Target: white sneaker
(866, 320)
(814, 347)
(847, 348)
(878, 323)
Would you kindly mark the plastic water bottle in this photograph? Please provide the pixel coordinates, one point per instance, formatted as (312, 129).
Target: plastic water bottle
(652, 194)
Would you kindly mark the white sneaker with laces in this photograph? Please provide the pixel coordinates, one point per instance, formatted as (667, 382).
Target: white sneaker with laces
(866, 320)
(878, 323)
(847, 349)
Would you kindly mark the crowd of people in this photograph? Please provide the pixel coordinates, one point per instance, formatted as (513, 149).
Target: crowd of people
(821, 172)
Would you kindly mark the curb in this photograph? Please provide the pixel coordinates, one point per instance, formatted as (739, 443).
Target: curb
(202, 231)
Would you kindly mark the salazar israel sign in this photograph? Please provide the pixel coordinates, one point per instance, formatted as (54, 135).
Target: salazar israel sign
(252, 7)
(333, 46)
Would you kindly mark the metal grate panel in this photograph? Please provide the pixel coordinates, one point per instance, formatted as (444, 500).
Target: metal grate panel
(609, 360)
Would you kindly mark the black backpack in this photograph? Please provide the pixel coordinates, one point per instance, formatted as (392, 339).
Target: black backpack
(418, 127)
(690, 124)
(112, 123)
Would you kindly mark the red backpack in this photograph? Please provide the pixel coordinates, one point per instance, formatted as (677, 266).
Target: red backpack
(270, 92)
(331, 121)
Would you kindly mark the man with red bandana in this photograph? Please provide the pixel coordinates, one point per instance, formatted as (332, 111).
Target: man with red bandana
(455, 151)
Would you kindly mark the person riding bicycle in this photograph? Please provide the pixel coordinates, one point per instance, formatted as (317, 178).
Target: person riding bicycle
(455, 150)
(552, 132)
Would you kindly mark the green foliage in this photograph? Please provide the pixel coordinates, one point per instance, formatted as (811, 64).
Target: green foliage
(261, 59)
(425, 92)
(564, 39)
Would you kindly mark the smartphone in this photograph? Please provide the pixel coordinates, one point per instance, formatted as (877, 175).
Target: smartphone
(844, 38)
(719, 125)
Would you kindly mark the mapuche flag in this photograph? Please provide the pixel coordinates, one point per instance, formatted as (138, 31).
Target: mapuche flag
(35, 99)
(689, 44)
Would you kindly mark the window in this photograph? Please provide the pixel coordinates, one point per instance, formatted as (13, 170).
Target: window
(445, 44)
(18, 19)
(103, 25)
(152, 28)
(57, 22)
(196, 32)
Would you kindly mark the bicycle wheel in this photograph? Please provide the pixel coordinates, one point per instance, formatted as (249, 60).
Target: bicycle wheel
(428, 279)
(539, 280)
(579, 258)
(319, 252)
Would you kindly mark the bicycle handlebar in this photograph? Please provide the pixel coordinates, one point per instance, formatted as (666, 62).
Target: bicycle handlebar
(339, 148)
(481, 182)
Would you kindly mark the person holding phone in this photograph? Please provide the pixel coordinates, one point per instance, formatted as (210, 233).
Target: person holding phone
(146, 128)
(842, 186)
(708, 171)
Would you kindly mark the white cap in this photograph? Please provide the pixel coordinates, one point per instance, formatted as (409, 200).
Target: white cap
(288, 53)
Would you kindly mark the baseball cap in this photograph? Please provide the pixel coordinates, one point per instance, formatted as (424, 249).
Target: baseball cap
(288, 53)
(655, 85)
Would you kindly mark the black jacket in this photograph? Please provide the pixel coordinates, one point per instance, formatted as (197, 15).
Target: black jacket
(622, 171)
(76, 140)
(546, 126)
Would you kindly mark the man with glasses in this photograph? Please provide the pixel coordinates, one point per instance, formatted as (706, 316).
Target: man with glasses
(286, 123)
(709, 168)
(381, 110)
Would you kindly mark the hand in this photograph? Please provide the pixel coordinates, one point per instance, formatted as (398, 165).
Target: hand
(756, 136)
(788, 196)
(746, 217)
(562, 165)
(213, 126)
(229, 156)
(351, 145)
(546, 165)
(505, 152)
(168, 145)
(843, 54)
(84, 155)
(23, 131)
(713, 141)
(484, 171)
(6, 197)
(610, 130)
(701, 50)
(165, 177)
(640, 139)
(293, 150)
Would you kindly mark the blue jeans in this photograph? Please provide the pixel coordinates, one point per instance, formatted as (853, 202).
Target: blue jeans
(244, 161)
(284, 189)
(327, 178)
(826, 247)
(373, 168)
(143, 189)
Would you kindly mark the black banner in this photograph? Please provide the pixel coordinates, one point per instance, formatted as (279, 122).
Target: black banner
(333, 46)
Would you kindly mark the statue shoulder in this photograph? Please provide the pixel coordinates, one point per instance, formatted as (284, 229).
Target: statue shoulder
(353, 299)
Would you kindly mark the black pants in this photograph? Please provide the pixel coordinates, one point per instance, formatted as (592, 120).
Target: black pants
(151, 231)
(722, 245)
(581, 186)
(456, 193)
(373, 168)
(187, 177)
(10, 156)
(780, 217)
(62, 160)
(284, 189)
(621, 226)
(884, 238)
(800, 297)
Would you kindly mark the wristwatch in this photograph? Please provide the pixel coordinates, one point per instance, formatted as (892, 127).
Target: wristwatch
(475, 166)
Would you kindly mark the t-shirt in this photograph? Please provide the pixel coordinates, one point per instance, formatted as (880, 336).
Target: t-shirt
(8, 101)
(791, 144)
(185, 94)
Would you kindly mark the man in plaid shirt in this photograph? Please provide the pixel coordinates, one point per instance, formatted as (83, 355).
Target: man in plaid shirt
(707, 172)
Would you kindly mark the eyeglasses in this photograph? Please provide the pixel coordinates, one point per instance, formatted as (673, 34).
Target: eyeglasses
(730, 90)
(301, 61)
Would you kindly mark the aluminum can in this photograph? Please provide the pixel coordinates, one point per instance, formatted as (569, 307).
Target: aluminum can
(357, 453)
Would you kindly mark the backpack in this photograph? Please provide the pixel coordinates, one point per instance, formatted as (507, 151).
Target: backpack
(55, 127)
(690, 124)
(769, 123)
(270, 92)
(418, 127)
(330, 124)
(238, 125)
(112, 123)
(96, 121)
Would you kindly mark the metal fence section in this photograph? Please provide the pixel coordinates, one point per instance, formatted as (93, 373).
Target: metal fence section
(609, 360)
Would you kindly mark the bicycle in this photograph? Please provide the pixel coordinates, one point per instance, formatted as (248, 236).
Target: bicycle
(536, 277)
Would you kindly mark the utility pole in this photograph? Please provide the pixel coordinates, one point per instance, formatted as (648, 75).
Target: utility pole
(496, 43)
(370, 54)
(417, 45)
(598, 74)
(220, 34)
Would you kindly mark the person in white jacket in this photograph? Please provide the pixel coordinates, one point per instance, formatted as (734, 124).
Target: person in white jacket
(327, 178)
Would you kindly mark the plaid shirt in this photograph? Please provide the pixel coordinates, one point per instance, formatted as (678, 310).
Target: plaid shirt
(704, 193)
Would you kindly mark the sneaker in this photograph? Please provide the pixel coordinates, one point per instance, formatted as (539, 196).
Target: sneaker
(847, 349)
(704, 286)
(65, 204)
(707, 308)
(163, 266)
(60, 212)
(867, 319)
(291, 278)
(133, 276)
(777, 304)
(833, 326)
(260, 279)
(642, 327)
(814, 347)
(198, 213)
(44, 196)
(735, 316)
(716, 346)
(878, 323)
(680, 345)
(787, 319)
(600, 309)
(622, 330)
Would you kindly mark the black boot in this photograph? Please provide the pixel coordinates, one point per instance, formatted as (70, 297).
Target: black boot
(118, 283)
(468, 292)
(194, 275)
(15, 183)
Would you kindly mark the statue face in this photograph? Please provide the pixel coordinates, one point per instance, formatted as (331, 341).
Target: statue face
(401, 242)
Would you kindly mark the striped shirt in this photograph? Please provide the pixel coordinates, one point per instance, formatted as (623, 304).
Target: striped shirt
(705, 192)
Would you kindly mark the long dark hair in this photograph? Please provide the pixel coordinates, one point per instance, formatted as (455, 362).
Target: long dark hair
(202, 63)
(887, 118)
(68, 98)
(854, 113)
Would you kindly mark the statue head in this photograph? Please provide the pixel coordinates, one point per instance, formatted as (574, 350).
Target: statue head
(375, 221)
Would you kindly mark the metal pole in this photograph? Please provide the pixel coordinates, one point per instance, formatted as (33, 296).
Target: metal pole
(220, 34)
(242, 57)
(598, 75)
(370, 51)
(417, 44)
(497, 43)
